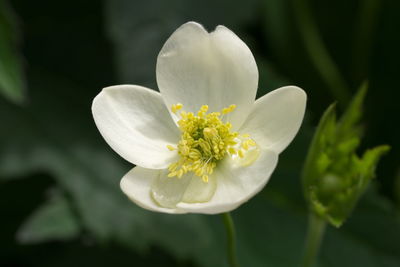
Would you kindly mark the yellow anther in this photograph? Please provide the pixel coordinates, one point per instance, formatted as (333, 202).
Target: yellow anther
(228, 109)
(210, 169)
(232, 151)
(171, 148)
(194, 154)
(172, 167)
(210, 132)
(176, 107)
(205, 146)
(245, 145)
(184, 149)
(203, 110)
(205, 140)
(179, 173)
(251, 142)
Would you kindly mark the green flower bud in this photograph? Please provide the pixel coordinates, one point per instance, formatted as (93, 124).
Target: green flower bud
(334, 176)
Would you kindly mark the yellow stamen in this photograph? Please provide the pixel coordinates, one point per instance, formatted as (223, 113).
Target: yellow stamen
(176, 107)
(228, 109)
(205, 140)
(171, 148)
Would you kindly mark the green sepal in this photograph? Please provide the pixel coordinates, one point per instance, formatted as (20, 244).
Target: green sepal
(334, 177)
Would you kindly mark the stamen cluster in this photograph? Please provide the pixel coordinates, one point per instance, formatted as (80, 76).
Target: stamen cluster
(205, 140)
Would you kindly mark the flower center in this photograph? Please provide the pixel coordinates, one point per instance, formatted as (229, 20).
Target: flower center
(205, 140)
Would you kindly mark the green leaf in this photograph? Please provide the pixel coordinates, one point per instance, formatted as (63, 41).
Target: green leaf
(69, 147)
(54, 220)
(56, 135)
(12, 80)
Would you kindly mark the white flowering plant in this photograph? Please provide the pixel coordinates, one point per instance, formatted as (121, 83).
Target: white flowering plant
(203, 144)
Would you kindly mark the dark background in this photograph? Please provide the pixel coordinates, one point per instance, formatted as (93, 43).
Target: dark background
(60, 202)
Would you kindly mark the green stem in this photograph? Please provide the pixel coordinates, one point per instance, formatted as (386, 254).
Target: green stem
(231, 239)
(365, 28)
(316, 229)
(319, 54)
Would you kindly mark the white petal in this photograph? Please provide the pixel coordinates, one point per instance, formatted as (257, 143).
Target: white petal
(276, 118)
(198, 68)
(168, 191)
(136, 185)
(198, 191)
(136, 124)
(236, 184)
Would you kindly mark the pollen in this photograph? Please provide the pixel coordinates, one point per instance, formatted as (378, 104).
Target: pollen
(205, 140)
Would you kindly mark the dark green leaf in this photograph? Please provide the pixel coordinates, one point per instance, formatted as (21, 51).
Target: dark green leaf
(54, 220)
(67, 145)
(12, 80)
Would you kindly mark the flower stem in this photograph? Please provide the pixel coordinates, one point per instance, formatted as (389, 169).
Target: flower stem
(319, 54)
(231, 239)
(365, 28)
(316, 229)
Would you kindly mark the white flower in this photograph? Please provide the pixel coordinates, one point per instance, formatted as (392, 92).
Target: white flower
(202, 145)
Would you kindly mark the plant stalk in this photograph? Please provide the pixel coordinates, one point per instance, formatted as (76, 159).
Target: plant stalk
(319, 54)
(231, 239)
(316, 229)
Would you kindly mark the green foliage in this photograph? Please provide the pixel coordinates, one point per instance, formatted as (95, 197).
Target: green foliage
(151, 27)
(12, 80)
(334, 177)
(54, 220)
(68, 147)
(55, 136)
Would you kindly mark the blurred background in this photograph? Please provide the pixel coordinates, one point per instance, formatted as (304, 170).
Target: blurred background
(60, 202)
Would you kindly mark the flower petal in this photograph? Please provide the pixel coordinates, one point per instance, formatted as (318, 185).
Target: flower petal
(135, 123)
(235, 184)
(168, 191)
(217, 69)
(199, 191)
(136, 185)
(276, 118)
